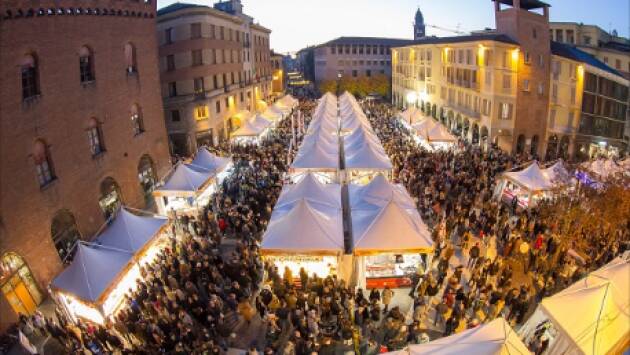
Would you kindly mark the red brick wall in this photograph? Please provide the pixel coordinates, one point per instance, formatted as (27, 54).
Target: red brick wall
(60, 117)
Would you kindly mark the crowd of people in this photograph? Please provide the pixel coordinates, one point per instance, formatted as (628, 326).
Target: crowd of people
(209, 284)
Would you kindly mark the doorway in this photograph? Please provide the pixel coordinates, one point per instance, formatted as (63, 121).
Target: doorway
(18, 284)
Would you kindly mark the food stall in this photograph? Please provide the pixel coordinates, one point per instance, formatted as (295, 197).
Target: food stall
(251, 131)
(433, 135)
(93, 286)
(528, 186)
(220, 167)
(390, 240)
(185, 189)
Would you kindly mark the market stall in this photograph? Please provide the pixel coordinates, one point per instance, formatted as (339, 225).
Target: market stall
(251, 131)
(185, 189)
(592, 316)
(309, 187)
(605, 169)
(273, 113)
(93, 286)
(433, 135)
(390, 239)
(308, 235)
(528, 186)
(493, 338)
(220, 167)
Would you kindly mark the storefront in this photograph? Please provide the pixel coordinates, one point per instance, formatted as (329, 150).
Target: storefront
(393, 270)
(186, 189)
(322, 265)
(18, 284)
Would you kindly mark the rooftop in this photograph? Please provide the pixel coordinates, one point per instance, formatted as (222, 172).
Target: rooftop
(491, 36)
(394, 42)
(526, 4)
(571, 52)
(178, 6)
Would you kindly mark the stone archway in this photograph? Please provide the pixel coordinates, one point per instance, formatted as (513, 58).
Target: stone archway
(552, 147)
(475, 134)
(64, 233)
(110, 198)
(563, 148)
(533, 149)
(483, 136)
(18, 284)
(434, 111)
(466, 129)
(442, 115)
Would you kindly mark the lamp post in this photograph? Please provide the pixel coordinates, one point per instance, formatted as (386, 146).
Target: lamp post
(339, 75)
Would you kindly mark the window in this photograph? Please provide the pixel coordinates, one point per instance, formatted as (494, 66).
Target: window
(168, 35)
(488, 79)
(552, 118)
(213, 31)
(333, 50)
(587, 40)
(172, 89)
(221, 32)
(570, 37)
(368, 73)
(218, 106)
(554, 92)
(355, 73)
(606, 60)
(534, 33)
(354, 49)
(175, 117)
(197, 57)
(30, 77)
(528, 58)
(195, 30)
(201, 112)
(95, 137)
(86, 65)
(559, 36)
(541, 61)
(136, 120)
(541, 89)
(570, 119)
(505, 111)
(618, 64)
(507, 81)
(170, 62)
(43, 163)
(242, 97)
(526, 85)
(130, 59)
(573, 95)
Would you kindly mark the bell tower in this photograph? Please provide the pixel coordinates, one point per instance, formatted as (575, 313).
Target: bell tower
(419, 29)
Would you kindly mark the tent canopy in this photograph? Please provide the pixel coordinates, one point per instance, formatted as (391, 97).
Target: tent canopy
(304, 230)
(531, 178)
(130, 232)
(210, 162)
(248, 129)
(315, 157)
(557, 174)
(378, 193)
(390, 229)
(92, 271)
(437, 133)
(186, 178)
(493, 338)
(312, 190)
(260, 122)
(603, 305)
(367, 157)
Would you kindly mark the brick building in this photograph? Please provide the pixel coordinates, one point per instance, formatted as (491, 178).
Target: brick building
(81, 130)
(215, 64)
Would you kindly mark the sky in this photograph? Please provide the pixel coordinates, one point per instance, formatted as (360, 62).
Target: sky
(296, 24)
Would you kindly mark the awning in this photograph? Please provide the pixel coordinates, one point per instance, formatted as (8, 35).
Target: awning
(130, 232)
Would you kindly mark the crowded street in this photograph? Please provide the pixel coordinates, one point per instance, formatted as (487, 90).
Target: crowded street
(209, 291)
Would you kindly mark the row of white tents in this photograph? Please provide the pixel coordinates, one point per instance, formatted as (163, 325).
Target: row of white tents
(428, 132)
(256, 127)
(590, 317)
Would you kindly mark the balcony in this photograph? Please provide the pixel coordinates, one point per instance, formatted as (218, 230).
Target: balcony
(464, 110)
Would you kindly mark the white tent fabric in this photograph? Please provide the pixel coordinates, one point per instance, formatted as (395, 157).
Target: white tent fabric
(260, 122)
(437, 133)
(312, 190)
(424, 125)
(408, 114)
(186, 178)
(304, 230)
(378, 193)
(602, 322)
(531, 178)
(210, 162)
(367, 157)
(389, 229)
(557, 173)
(273, 113)
(92, 271)
(248, 129)
(130, 232)
(605, 168)
(493, 338)
(316, 158)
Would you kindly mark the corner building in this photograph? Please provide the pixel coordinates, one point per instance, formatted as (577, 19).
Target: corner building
(215, 63)
(81, 131)
(514, 87)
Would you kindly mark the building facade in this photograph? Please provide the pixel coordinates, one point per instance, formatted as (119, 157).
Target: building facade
(278, 84)
(214, 65)
(609, 48)
(355, 57)
(81, 131)
(499, 86)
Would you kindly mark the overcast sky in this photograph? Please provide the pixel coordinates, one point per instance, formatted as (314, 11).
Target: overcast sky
(298, 23)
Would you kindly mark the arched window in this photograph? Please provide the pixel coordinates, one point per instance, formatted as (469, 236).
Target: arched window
(64, 233)
(136, 119)
(86, 65)
(520, 144)
(95, 137)
(130, 59)
(534, 146)
(146, 176)
(18, 284)
(110, 198)
(30, 76)
(43, 163)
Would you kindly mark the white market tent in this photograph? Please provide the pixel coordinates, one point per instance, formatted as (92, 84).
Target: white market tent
(437, 134)
(557, 174)
(186, 187)
(304, 230)
(210, 162)
(311, 189)
(606, 168)
(493, 338)
(367, 157)
(591, 316)
(378, 193)
(390, 229)
(130, 232)
(251, 130)
(273, 113)
(528, 185)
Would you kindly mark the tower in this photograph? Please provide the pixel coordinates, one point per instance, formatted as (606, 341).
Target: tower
(418, 26)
